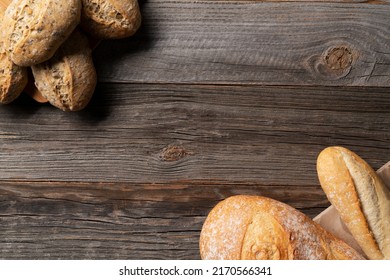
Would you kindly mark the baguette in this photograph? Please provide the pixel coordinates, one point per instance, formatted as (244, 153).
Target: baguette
(360, 197)
(34, 29)
(68, 79)
(110, 19)
(256, 227)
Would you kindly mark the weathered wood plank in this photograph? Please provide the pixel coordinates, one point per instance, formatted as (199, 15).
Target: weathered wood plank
(121, 221)
(268, 43)
(161, 133)
(135, 174)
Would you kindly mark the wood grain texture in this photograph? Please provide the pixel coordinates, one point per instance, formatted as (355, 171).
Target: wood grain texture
(159, 133)
(209, 99)
(267, 43)
(4, 3)
(120, 221)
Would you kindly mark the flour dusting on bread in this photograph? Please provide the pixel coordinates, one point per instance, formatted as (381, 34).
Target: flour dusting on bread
(256, 227)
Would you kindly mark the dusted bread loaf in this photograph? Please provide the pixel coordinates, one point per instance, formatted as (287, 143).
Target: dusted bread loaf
(110, 19)
(68, 79)
(360, 197)
(256, 227)
(34, 29)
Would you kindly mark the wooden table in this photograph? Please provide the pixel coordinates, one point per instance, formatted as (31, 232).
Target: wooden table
(209, 99)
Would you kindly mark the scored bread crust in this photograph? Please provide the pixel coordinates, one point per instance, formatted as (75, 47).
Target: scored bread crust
(34, 29)
(360, 197)
(256, 227)
(69, 78)
(110, 19)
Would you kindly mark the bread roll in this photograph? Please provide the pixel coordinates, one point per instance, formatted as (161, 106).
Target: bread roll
(68, 79)
(256, 227)
(34, 29)
(13, 78)
(360, 197)
(110, 19)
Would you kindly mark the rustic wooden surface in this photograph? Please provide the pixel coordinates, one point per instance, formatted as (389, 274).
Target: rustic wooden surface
(209, 99)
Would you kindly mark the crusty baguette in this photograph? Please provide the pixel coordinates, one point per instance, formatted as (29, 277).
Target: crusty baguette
(34, 29)
(360, 197)
(110, 19)
(330, 220)
(256, 227)
(13, 78)
(68, 79)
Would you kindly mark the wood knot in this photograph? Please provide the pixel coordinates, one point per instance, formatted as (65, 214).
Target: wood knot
(174, 153)
(338, 58)
(334, 63)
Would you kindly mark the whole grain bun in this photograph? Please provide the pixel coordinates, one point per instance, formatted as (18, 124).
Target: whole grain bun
(68, 79)
(34, 29)
(110, 19)
(13, 78)
(360, 197)
(256, 227)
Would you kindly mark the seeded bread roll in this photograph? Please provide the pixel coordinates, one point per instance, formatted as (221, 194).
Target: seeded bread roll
(360, 197)
(68, 79)
(256, 227)
(110, 19)
(13, 78)
(34, 29)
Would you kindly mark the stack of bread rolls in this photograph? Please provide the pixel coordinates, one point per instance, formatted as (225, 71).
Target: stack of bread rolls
(51, 38)
(257, 227)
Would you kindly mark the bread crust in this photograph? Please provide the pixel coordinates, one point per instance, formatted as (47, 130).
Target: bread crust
(34, 29)
(69, 78)
(110, 19)
(13, 78)
(360, 197)
(256, 227)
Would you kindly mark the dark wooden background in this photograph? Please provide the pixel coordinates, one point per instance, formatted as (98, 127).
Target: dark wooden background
(209, 99)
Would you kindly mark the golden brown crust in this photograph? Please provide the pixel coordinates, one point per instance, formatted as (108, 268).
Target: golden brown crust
(34, 29)
(110, 19)
(255, 227)
(68, 79)
(13, 78)
(3, 6)
(360, 197)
